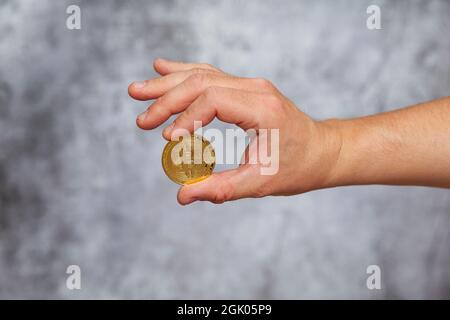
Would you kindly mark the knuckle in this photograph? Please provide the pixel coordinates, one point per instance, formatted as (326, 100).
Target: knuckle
(274, 101)
(210, 93)
(160, 100)
(198, 71)
(187, 114)
(207, 66)
(262, 189)
(158, 110)
(264, 83)
(225, 193)
(198, 79)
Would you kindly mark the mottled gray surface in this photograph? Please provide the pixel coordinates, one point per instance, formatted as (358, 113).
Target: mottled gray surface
(80, 184)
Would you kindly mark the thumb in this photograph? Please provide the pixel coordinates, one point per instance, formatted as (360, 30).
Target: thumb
(219, 187)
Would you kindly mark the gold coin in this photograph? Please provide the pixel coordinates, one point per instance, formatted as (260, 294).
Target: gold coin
(189, 160)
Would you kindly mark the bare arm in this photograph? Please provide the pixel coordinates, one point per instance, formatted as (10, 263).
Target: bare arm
(410, 146)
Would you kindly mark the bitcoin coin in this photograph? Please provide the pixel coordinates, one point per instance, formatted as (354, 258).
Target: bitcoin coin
(189, 160)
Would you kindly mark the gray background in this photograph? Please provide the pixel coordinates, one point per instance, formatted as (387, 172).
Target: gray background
(80, 184)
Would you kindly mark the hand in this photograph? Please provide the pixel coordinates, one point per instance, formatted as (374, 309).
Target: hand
(308, 149)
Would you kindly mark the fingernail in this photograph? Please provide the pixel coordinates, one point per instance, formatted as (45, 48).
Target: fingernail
(168, 130)
(142, 116)
(139, 84)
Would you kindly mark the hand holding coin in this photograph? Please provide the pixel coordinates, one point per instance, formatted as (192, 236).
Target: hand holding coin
(202, 92)
(388, 148)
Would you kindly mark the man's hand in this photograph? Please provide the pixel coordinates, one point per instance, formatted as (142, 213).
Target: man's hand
(410, 146)
(308, 150)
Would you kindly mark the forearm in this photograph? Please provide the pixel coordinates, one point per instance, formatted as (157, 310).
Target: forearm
(405, 147)
(409, 146)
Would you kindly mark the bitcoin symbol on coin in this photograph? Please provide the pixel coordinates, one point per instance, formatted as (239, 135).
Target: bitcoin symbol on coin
(189, 160)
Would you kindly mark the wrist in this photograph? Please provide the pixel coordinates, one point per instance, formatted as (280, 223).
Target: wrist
(360, 157)
(330, 144)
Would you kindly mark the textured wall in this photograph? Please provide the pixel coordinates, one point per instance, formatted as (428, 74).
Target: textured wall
(80, 184)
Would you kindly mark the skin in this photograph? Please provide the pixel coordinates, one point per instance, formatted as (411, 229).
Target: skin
(410, 146)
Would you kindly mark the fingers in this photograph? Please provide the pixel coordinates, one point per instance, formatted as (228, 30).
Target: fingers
(154, 88)
(180, 97)
(239, 107)
(220, 187)
(164, 67)
(201, 92)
